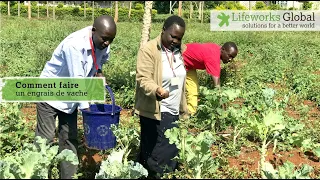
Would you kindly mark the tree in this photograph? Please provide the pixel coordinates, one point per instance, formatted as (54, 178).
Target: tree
(202, 5)
(146, 28)
(8, 8)
(130, 5)
(29, 9)
(306, 5)
(38, 9)
(190, 10)
(18, 8)
(54, 11)
(116, 12)
(92, 11)
(180, 9)
(199, 9)
(212, 4)
(47, 9)
(162, 7)
(84, 9)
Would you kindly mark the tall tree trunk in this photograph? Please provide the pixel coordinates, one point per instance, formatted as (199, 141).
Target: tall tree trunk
(130, 4)
(202, 7)
(84, 9)
(180, 9)
(199, 9)
(19, 5)
(116, 12)
(29, 9)
(293, 4)
(190, 10)
(250, 6)
(47, 9)
(8, 8)
(92, 11)
(54, 11)
(146, 28)
(111, 9)
(38, 9)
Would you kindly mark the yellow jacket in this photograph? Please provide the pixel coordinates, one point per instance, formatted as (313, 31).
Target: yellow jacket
(149, 78)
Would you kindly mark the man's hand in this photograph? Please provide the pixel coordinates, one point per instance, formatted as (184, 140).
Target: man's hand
(162, 93)
(99, 75)
(87, 109)
(216, 81)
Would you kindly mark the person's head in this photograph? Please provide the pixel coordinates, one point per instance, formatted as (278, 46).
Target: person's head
(172, 32)
(104, 30)
(228, 51)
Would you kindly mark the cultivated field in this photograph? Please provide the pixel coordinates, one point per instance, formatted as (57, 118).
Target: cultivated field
(267, 111)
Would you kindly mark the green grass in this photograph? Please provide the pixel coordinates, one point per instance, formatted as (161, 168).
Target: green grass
(26, 45)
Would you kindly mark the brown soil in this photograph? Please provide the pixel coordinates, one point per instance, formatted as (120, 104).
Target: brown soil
(275, 86)
(292, 113)
(249, 159)
(29, 112)
(314, 112)
(238, 101)
(236, 66)
(90, 162)
(317, 72)
(126, 113)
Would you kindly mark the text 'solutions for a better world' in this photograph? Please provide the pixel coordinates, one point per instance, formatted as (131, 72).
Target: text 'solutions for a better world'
(287, 17)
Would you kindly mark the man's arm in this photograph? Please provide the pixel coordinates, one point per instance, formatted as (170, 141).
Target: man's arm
(144, 74)
(216, 81)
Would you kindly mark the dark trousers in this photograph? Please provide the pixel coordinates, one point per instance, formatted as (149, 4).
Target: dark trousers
(155, 150)
(67, 133)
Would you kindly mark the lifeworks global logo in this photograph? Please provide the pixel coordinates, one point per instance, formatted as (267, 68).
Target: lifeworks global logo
(265, 20)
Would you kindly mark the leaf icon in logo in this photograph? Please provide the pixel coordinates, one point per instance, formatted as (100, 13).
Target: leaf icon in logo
(224, 19)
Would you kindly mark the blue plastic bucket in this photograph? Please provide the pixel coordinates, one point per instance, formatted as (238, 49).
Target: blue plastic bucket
(97, 122)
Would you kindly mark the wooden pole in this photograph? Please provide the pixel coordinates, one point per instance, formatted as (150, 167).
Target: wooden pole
(47, 9)
(54, 11)
(92, 11)
(180, 9)
(19, 8)
(8, 8)
(202, 5)
(84, 9)
(130, 9)
(190, 10)
(116, 12)
(29, 10)
(199, 9)
(38, 9)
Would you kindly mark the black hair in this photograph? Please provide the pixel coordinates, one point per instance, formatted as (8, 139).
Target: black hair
(173, 20)
(100, 21)
(229, 45)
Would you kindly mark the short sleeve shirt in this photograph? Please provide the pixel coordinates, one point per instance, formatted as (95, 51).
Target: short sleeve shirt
(203, 56)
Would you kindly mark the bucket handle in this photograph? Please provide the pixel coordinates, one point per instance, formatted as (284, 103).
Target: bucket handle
(112, 99)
